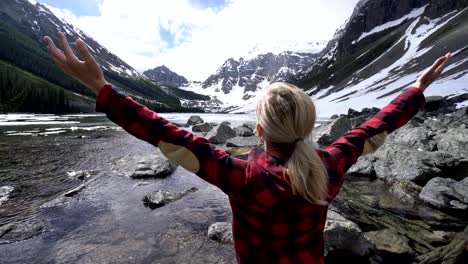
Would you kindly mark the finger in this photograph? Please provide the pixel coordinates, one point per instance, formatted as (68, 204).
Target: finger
(54, 51)
(437, 64)
(64, 68)
(84, 51)
(66, 48)
(439, 70)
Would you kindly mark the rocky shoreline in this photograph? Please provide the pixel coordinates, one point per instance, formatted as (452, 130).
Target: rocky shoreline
(423, 165)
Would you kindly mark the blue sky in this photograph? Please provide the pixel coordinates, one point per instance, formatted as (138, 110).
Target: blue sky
(78, 7)
(195, 37)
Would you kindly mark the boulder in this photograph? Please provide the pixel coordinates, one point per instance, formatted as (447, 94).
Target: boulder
(414, 137)
(195, 120)
(364, 167)
(205, 127)
(353, 113)
(463, 112)
(250, 125)
(396, 162)
(357, 121)
(221, 231)
(160, 198)
(335, 116)
(389, 242)
(154, 167)
(454, 140)
(329, 133)
(405, 191)
(342, 234)
(433, 103)
(213, 124)
(446, 193)
(243, 131)
(220, 134)
(243, 142)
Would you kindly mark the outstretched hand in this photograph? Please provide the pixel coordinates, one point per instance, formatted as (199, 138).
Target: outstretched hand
(431, 74)
(87, 71)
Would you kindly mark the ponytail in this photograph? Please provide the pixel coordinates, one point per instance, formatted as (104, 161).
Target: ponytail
(287, 115)
(307, 173)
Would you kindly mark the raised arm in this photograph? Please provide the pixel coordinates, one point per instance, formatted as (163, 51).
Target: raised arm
(361, 140)
(196, 154)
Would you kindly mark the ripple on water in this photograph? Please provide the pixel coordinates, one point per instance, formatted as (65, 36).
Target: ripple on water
(4, 193)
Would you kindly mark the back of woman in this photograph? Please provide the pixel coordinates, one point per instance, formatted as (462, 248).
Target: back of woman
(279, 197)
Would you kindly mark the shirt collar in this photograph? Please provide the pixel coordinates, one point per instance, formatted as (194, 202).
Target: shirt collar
(267, 161)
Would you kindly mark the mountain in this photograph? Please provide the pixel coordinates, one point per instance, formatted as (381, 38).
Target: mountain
(167, 77)
(382, 49)
(238, 81)
(30, 82)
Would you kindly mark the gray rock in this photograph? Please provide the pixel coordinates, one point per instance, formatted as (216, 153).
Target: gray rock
(213, 124)
(335, 116)
(406, 191)
(250, 125)
(454, 140)
(75, 191)
(243, 131)
(364, 167)
(446, 193)
(221, 231)
(433, 102)
(205, 127)
(243, 142)
(386, 240)
(342, 234)
(160, 198)
(195, 120)
(395, 162)
(356, 121)
(330, 132)
(463, 112)
(409, 136)
(180, 124)
(221, 134)
(154, 167)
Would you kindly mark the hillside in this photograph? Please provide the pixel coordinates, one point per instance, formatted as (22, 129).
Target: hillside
(22, 28)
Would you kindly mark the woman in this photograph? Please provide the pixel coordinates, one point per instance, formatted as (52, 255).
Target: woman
(278, 196)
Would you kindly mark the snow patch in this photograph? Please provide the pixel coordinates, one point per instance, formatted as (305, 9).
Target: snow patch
(415, 13)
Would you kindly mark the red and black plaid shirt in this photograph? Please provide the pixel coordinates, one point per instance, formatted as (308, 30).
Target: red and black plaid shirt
(270, 224)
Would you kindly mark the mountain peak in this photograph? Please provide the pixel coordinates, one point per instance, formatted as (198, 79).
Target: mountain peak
(162, 74)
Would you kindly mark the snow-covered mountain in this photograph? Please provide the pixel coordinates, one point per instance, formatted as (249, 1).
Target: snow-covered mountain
(383, 48)
(165, 76)
(238, 81)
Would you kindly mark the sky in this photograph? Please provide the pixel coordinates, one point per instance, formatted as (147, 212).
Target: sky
(195, 37)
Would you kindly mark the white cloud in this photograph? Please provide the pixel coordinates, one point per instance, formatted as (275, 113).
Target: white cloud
(205, 38)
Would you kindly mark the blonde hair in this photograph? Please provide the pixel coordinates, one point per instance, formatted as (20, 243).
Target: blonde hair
(287, 115)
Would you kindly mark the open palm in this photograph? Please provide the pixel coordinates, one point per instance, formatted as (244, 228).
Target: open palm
(431, 74)
(87, 71)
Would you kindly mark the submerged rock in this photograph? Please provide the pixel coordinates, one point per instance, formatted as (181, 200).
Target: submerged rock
(221, 134)
(195, 120)
(205, 127)
(154, 167)
(330, 132)
(243, 142)
(446, 193)
(160, 198)
(342, 234)
(221, 231)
